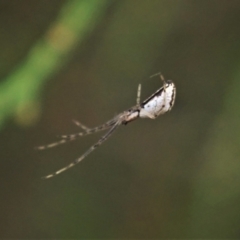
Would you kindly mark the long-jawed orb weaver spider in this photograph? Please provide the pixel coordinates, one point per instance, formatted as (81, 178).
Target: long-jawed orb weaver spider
(157, 104)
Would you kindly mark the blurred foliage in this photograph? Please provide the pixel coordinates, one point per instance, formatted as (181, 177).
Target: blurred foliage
(218, 190)
(175, 177)
(19, 93)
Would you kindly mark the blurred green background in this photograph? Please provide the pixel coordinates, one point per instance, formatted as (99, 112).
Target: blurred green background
(175, 177)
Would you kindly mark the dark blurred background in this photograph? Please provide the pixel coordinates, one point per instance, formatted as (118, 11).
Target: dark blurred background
(175, 177)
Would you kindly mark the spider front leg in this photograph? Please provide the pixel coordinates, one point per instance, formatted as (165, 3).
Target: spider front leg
(92, 148)
(83, 127)
(72, 137)
(90, 130)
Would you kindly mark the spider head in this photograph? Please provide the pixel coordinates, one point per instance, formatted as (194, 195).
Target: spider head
(130, 115)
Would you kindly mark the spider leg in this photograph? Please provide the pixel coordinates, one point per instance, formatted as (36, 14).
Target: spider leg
(92, 148)
(90, 130)
(164, 82)
(54, 144)
(138, 94)
(161, 77)
(72, 137)
(79, 124)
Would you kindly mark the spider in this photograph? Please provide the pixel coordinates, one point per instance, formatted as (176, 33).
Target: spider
(157, 104)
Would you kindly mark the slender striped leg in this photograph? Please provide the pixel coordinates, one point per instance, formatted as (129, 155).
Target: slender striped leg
(72, 137)
(92, 148)
(138, 94)
(161, 77)
(90, 130)
(79, 124)
(54, 144)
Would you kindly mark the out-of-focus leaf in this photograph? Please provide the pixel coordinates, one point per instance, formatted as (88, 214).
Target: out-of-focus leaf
(19, 92)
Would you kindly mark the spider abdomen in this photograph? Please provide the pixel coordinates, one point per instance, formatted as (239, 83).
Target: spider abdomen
(160, 102)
